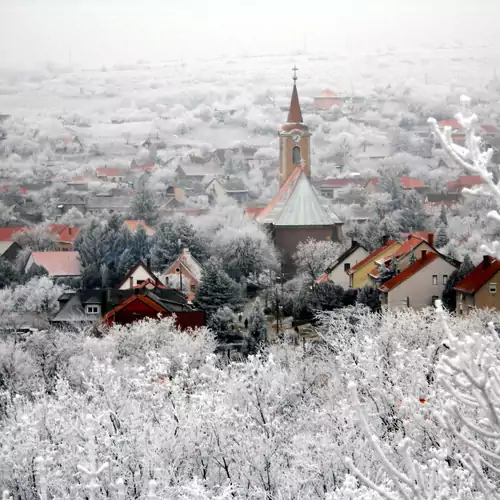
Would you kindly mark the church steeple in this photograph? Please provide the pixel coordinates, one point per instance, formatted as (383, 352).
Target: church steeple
(295, 139)
(294, 113)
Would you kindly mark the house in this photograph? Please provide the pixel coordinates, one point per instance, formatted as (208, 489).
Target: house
(139, 273)
(326, 100)
(184, 273)
(133, 225)
(57, 264)
(112, 204)
(464, 182)
(70, 201)
(434, 202)
(222, 189)
(330, 188)
(337, 272)
(458, 133)
(110, 174)
(406, 183)
(480, 288)
(406, 253)
(420, 284)
(154, 305)
(198, 172)
(9, 250)
(359, 273)
(123, 306)
(79, 183)
(66, 235)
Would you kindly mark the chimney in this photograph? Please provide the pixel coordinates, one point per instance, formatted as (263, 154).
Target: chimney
(148, 263)
(186, 251)
(424, 253)
(131, 282)
(486, 261)
(410, 236)
(385, 239)
(69, 230)
(430, 239)
(353, 243)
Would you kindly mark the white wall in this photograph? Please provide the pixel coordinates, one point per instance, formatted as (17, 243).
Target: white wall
(140, 274)
(339, 276)
(419, 287)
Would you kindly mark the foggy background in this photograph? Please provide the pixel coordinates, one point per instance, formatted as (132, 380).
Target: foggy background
(94, 32)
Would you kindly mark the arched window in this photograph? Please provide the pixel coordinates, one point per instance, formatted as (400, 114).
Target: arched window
(296, 155)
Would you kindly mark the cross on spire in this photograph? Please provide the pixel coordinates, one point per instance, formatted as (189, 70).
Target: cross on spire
(295, 69)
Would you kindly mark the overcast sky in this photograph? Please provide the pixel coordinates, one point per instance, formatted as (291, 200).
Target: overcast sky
(95, 32)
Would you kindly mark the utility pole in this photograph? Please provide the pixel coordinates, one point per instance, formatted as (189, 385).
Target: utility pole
(179, 242)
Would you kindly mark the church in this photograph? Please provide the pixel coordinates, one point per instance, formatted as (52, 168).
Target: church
(298, 211)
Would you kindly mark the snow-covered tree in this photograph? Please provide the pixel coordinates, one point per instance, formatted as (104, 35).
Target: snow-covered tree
(314, 257)
(257, 323)
(143, 205)
(37, 238)
(216, 289)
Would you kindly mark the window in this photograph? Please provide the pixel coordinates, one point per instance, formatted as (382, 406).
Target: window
(493, 288)
(347, 266)
(434, 279)
(177, 270)
(92, 309)
(140, 282)
(296, 155)
(445, 279)
(407, 301)
(193, 288)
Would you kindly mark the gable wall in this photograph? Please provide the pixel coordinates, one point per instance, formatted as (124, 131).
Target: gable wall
(419, 287)
(338, 275)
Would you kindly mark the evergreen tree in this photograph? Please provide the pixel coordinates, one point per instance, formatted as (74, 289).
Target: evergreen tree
(327, 296)
(257, 324)
(165, 248)
(441, 237)
(369, 297)
(140, 244)
(449, 296)
(413, 258)
(216, 289)
(222, 323)
(387, 273)
(390, 183)
(8, 273)
(412, 216)
(143, 206)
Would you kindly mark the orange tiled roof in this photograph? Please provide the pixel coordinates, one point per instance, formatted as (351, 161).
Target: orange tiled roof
(58, 263)
(372, 256)
(409, 271)
(133, 225)
(479, 276)
(411, 183)
(109, 172)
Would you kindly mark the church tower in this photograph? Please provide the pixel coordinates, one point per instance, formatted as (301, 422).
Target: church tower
(295, 140)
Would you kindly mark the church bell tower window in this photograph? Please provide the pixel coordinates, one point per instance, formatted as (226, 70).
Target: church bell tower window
(296, 155)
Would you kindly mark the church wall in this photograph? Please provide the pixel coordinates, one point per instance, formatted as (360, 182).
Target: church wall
(286, 240)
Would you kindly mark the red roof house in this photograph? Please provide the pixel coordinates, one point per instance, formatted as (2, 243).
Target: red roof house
(57, 264)
(420, 284)
(465, 181)
(480, 288)
(151, 305)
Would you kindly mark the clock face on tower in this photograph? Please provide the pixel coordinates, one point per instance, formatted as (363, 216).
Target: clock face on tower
(296, 137)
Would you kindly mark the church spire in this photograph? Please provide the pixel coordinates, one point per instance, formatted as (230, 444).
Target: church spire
(294, 113)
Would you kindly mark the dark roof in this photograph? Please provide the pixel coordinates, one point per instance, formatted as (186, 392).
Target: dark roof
(479, 276)
(445, 198)
(133, 269)
(73, 310)
(355, 245)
